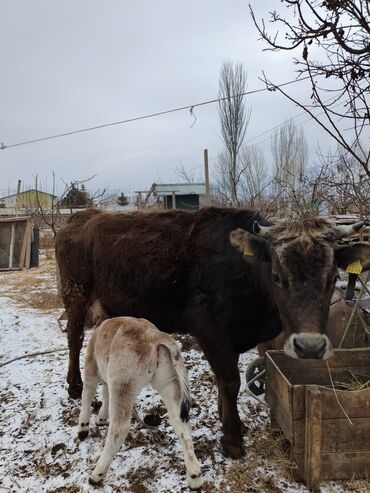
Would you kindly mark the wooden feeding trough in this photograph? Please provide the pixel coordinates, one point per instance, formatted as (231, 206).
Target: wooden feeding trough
(325, 443)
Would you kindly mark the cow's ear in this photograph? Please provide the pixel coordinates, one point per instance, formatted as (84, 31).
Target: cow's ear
(355, 256)
(251, 246)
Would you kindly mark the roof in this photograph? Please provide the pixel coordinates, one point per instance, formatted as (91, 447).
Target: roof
(162, 189)
(28, 191)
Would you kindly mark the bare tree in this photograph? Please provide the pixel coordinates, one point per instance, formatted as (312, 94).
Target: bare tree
(255, 181)
(186, 175)
(340, 32)
(290, 155)
(51, 215)
(233, 121)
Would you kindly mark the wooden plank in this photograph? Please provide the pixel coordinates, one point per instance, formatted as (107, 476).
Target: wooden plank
(321, 376)
(356, 402)
(339, 435)
(25, 243)
(348, 465)
(337, 466)
(298, 401)
(11, 247)
(276, 380)
(280, 414)
(312, 460)
(13, 219)
(341, 358)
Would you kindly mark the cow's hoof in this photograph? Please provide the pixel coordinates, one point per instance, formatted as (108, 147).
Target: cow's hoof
(75, 391)
(102, 422)
(235, 451)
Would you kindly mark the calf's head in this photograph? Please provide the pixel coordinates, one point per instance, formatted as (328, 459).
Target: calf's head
(302, 260)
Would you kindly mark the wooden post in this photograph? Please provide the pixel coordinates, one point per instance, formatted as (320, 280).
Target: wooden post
(139, 203)
(11, 249)
(312, 461)
(173, 200)
(25, 244)
(17, 198)
(206, 176)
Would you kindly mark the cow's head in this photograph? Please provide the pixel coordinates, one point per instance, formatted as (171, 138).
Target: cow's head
(303, 259)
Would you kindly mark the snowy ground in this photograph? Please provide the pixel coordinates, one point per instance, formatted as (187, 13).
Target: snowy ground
(39, 451)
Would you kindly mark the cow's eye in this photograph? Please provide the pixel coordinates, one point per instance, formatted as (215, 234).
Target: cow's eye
(276, 278)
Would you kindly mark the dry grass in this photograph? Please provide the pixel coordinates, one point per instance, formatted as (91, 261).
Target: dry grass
(44, 300)
(355, 382)
(33, 288)
(249, 475)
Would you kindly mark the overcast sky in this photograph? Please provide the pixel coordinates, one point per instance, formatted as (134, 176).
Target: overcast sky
(78, 63)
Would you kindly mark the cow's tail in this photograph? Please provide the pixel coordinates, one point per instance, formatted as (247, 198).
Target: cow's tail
(182, 375)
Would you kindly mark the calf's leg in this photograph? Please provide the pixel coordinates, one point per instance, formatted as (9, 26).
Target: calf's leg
(88, 393)
(103, 414)
(121, 402)
(166, 382)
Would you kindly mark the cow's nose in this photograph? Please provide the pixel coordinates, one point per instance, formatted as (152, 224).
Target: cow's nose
(309, 346)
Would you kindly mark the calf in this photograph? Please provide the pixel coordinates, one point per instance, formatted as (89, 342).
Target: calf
(126, 354)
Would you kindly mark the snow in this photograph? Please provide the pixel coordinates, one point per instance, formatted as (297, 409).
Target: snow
(39, 448)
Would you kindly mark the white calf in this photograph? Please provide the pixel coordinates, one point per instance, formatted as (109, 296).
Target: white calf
(126, 354)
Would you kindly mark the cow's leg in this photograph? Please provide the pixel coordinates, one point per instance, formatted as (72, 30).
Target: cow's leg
(121, 402)
(76, 307)
(166, 382)
(102, 418)
(224, 362)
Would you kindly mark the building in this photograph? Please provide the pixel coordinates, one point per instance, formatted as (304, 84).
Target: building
(183, 196)
(28, 200)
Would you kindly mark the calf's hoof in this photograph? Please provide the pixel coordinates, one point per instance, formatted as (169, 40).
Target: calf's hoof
(96, 479)
(83, 434)
(75, 390)
(102, 422)
(195, 481)
(233, 450)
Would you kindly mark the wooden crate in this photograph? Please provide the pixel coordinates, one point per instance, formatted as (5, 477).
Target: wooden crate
(324, 444)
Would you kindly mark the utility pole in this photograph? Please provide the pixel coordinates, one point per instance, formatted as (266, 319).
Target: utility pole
(206, 176)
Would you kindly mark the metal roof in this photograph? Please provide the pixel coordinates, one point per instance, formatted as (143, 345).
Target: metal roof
(162, 189)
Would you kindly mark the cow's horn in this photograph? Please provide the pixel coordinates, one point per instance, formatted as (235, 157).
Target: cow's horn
(348, 229)
(259, 230)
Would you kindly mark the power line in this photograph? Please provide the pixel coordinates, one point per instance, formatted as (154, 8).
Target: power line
(144, 117)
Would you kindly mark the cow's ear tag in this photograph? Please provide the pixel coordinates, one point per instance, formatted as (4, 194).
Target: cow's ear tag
(247, 251)
(354, 268)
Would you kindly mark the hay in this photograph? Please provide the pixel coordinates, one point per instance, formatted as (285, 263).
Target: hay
(356, 382)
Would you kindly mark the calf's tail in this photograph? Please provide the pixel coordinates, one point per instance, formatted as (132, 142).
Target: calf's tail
(182, 374)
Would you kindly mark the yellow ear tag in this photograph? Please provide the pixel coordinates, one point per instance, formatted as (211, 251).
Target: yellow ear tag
(247, 251)
(354, 268)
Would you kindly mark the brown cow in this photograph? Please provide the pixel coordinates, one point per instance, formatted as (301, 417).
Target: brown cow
(126, 354)
(180, 271)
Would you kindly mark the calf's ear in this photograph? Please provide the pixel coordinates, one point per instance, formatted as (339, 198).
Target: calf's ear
(251, 246)
(357, 254)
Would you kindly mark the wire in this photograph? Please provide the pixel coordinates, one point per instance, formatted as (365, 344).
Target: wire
(151, 115)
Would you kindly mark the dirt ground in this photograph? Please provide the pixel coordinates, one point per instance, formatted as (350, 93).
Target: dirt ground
(38, 445)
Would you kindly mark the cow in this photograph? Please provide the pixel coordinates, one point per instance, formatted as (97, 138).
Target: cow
(126, 354)
(226, 276)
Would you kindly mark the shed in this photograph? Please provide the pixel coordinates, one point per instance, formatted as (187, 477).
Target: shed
(183, 196)
(18, 243)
